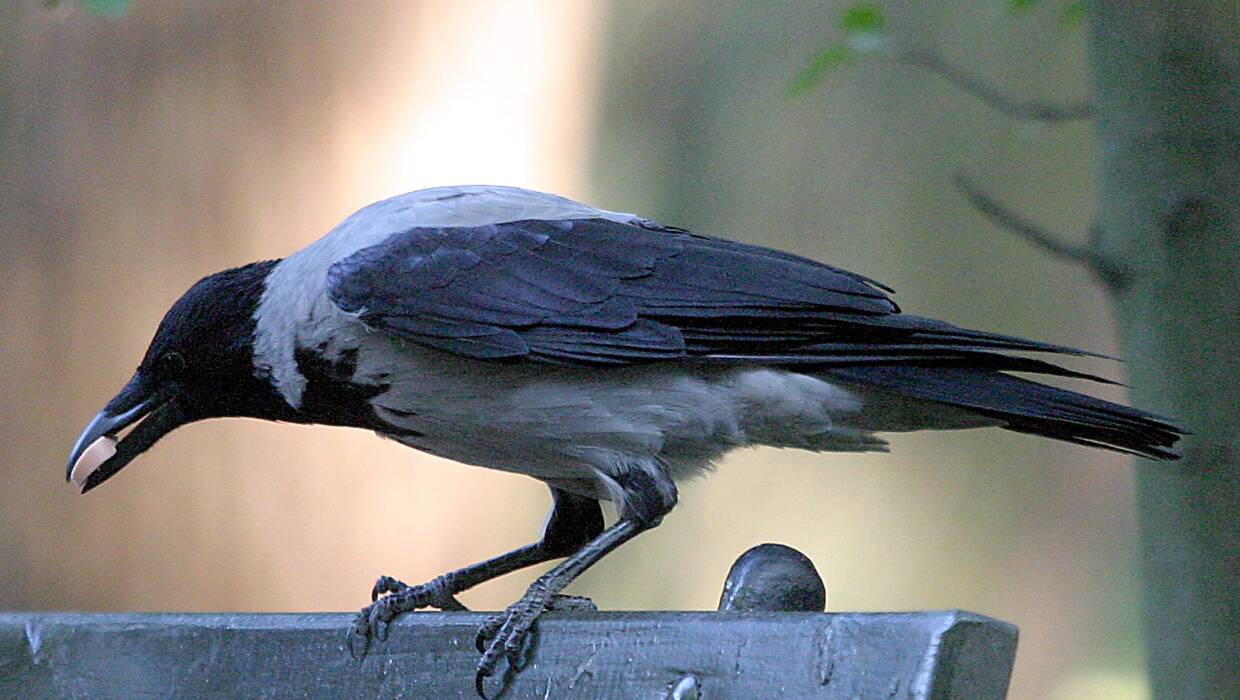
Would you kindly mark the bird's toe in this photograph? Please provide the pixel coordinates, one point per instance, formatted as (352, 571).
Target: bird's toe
(488, 630)
(480, 679)
(505, 636)
(380, 618)
(385, 585)
(359, 636)
(493, 651)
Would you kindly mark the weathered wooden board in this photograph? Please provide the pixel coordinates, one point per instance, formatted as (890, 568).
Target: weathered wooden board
(935, 655)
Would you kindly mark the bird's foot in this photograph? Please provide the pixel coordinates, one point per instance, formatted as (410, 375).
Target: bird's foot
(504, 636)
(390, 598)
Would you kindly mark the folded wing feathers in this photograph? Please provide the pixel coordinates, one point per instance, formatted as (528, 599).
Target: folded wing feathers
(601, 292)
(574, 290)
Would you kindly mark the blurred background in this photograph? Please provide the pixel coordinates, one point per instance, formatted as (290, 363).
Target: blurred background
(143, 151)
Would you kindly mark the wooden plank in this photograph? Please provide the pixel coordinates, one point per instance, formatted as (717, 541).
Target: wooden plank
(936, 655)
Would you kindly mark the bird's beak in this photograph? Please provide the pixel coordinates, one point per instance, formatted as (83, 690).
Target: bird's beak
(98, 454)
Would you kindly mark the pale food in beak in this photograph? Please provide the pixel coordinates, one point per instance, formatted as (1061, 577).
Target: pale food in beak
(100, 451)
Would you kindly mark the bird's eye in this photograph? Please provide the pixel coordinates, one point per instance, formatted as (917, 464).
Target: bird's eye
(170, 364)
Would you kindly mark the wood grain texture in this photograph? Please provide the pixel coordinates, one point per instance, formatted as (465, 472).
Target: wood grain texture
(931, 655)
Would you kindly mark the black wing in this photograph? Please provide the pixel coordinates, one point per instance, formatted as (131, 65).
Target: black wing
(596, 291)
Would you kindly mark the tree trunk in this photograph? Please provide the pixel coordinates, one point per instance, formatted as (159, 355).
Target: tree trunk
(1169, 213)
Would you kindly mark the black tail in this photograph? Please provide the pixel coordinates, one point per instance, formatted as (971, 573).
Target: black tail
(1025, 406)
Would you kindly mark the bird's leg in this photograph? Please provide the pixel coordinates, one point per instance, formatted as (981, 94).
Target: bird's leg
(648, 497)
(574, 521)
(504, 634)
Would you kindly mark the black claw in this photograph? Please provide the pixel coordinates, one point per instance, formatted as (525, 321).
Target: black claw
(380, 617)
(354, 635)
(480, 641)
(487, 631)
(479, 682)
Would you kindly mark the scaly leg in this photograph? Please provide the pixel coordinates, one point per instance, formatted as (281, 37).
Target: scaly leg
(574, 521)
(649, 496)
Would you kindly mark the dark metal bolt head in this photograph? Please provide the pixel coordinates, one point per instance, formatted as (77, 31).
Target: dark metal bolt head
(773, 577)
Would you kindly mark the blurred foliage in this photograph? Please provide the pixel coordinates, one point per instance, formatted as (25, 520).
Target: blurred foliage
(106, 8)
(863, 25)
(1073, 14)
(1070, 15)
(863, 18)
(823, 61)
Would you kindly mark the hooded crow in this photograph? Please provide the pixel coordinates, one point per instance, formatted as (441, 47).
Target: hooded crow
(605, 354)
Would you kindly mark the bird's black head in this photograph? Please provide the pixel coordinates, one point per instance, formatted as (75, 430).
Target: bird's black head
(199, 365)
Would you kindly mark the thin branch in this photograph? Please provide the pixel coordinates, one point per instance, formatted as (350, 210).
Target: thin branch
(1112, 274)
(1014, 107)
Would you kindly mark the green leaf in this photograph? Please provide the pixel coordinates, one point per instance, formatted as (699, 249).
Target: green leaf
(863, 18)
(827, 59)
(1020, 5)
(107, 8)
(1072, 14)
